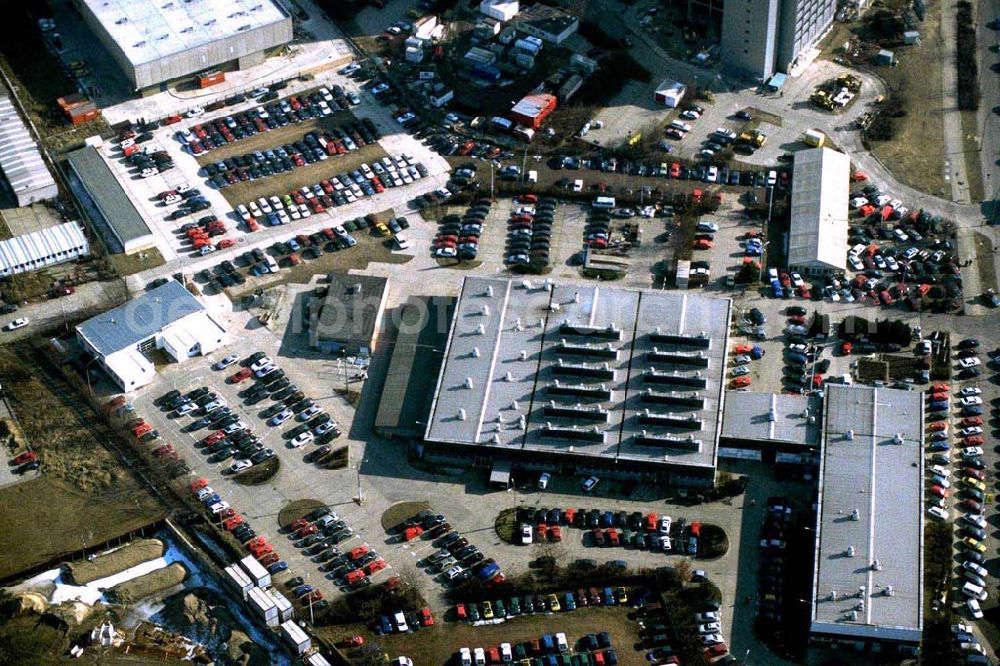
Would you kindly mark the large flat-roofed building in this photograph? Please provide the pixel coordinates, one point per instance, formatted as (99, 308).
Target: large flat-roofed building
(762, 37)
(868, 576)
(106, 204)
(817, 236)
(771, 421)
(21, 161)
(155, 41)
(584, 376)
(168, 318)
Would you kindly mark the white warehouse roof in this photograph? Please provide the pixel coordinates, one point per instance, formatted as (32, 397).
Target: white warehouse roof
(21, 160)
(46, 247)
(820, 194)
(148, 30)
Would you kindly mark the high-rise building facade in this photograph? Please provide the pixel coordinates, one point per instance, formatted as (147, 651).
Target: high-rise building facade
(761, 37)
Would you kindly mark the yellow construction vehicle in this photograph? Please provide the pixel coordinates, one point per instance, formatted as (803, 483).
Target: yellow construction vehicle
(753, 137)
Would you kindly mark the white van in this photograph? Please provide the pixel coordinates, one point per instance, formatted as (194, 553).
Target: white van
(974, 591)
(532, 176)
(604, 202)
(680, 126)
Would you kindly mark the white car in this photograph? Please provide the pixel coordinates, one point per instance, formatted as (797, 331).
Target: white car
(186, 408)
(239, 466)
(207, 491)
(526, 534)
(261, 363)
(280, 417)
(796, 279)
(709, 628)
(380, 88)
(971, 401)
(940, 471)
(481, 654)
(974, 609)
(244, 214)
(561, 643)
(20, 322)
(711, 616)
(772, 178)
(400, 620)
(740, 370)
(970, 362)
(324, 428)
(712, 639)
(690, 115)
(970, 390)
(938, 513)
(195, 112)
(265, 370)
(224, 363)
(977, 569)
(665, 522)
(712, 174)
(855, 263)
(970, 431)
(464, 657)
(971, 452)
(307, 414)
(301, 440)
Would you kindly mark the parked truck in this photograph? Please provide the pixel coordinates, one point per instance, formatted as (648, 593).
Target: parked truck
(813, 138)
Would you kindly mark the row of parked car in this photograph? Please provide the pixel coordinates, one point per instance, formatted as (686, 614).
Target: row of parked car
(456, 559)
(148, 162)
(529, 231)
(546, 650)
(777, 522)
(609, 528)
(498, 610)
(458, 237)
(676, 170)
(319, 534)
(203, 137)
(339, 190)
(233, 522)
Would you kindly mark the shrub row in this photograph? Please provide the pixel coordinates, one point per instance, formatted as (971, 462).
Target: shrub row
(965, 58)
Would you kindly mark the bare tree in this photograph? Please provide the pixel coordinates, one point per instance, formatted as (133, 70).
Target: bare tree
(683, 570)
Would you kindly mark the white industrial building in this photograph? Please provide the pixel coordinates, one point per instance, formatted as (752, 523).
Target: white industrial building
(669, 93)
(501, 10)
(817, 236)
(20, 160)
(46, 247)
(868, 576)
(168, 317)
(155, 41)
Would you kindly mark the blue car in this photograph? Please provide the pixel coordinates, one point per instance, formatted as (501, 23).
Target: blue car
(607, 519)
(776, 288)
(384, 626)
(939, 406)
(293, 244)
(939, 446)
(211, 499)
(548, 643)
(972, 411)
(277, 567)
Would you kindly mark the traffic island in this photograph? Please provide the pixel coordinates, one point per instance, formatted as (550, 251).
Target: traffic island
(258, 474)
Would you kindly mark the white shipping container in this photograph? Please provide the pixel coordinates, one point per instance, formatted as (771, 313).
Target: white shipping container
(263, 606)
(296, 637)
(257, 573)
(285, 609)
(239, 580)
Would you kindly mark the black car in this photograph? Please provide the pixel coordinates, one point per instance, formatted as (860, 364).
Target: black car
(262, 456)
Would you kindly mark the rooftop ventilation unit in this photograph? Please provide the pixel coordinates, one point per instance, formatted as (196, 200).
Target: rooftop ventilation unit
(514, 405)
(876, 566)
(526, 284)
(508, 377)
(122, 21)
(486, 311)
(523, 355)
(850, 551)
(771, 415)
(897, 438)
(480, 329)
(489, 290)
(861, 591)
(849, 435)
(462, 415)
(855, 514)
(468, 383)
(833, 595)
(475, 352)
(888, 591)
(496, 439)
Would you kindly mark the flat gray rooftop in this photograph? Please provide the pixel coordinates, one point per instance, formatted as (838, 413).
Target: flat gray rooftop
(772, 417)
(870, 532)
(148, 30)
(584, 369)
(108, 195)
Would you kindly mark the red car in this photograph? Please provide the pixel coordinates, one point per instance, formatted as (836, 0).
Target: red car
(411, 533)
(939, 491)
(298, 524)
(231, 523)
(198, 484)
(971, 505)
(270, 559)
(937, 426)
(24, 458)
(426, 619)
(740, 382)
(527, 199)
(352, 642)
(375, 566)
(971, 421)
(555, 533)
(357, 552)
(543, 531)
(743, 349)
(354, 577)
(797, 319)
(240, 376)
(703, 244)
(312, 597)
(306, 531)
(975, 440)
(461, 612)
(975, 473)
(940, 388)
(216, 436)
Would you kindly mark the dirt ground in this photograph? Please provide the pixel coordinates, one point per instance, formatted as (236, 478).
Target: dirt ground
(437, 645)
(84, 496)
(916, 155)
(46, 518)
(126, 557)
